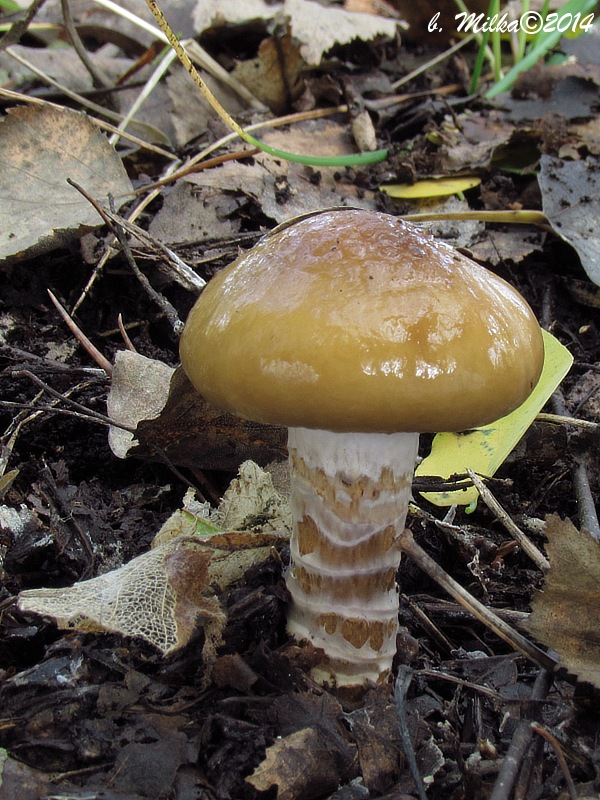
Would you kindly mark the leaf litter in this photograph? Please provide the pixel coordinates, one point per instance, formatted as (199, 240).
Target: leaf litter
(231, 711)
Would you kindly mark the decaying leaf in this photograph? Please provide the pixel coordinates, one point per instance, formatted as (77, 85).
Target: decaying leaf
(41, 148)
(571, 201)
(139, 390)
(160, 596)
(252, 503)
(303, 765)
(153, 596)
(186, 429)
(565, 613)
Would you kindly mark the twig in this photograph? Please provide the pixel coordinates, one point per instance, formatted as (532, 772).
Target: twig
(560, 757)
(485, 615)
(588, 516)
(560, 419)
(128, 343)
(401, 685)
(18, 28)
(147, 89)
(160, 300)
(67, 514)
(87, 412)
(496, 697)
(98, 78)
(538, 558)
(433, 62)
(167, 308)
(429, 625)
(193, 167)
(83, 340)
(520, 743)
(181, 272)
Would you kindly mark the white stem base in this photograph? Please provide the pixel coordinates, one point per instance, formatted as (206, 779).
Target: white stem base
(349, 498)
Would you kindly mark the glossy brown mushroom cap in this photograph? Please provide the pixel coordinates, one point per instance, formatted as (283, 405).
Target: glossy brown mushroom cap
(351, 320)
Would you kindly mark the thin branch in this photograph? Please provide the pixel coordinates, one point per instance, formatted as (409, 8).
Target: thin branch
(87, 412)
(98, 78)
(485, 615)
(18, 28)
(538, 558)
(83, 340)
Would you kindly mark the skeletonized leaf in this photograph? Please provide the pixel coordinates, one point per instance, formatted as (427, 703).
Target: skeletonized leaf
(160, 596)
(152, 596)
(41, 148)
(565, 613)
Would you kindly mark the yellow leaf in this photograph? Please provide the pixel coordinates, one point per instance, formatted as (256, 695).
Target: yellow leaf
(433, 187)
(484, 449)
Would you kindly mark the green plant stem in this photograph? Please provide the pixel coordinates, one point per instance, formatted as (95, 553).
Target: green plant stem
(319, 161)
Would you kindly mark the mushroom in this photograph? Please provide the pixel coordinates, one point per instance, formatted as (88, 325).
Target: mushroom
(357, 331)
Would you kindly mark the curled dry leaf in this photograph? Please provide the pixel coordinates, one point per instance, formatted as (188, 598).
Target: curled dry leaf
(303, 765)
(317, 28)
(320, 28)
(565, 614)
(41, 148)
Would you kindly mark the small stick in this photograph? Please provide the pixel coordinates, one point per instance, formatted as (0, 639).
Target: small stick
(128, 343)
(482, 613)
(559, 419)
(560, 757)
(83, 340)
(521, 740)
(403, 680)
(538, 558)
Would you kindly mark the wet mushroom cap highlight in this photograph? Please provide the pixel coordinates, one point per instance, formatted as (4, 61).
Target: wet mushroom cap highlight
(351, 320)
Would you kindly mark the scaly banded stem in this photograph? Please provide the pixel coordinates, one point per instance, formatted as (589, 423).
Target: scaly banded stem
(349, 498)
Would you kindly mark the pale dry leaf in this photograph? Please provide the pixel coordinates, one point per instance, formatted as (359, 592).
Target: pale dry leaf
(218, 13)
(319, 28)
(564, 615)
(139, 390)
(41, 148)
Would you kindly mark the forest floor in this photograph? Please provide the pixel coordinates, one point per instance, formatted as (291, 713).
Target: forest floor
(87, 714)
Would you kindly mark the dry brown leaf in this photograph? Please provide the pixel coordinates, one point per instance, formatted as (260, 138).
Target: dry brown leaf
(301, 766)
(174, 422)
(41, 148)
(565, 613)
(274, 75)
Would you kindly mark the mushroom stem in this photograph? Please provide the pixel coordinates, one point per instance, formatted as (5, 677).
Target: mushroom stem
(349, 498)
